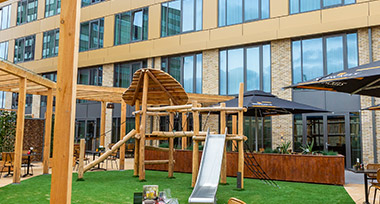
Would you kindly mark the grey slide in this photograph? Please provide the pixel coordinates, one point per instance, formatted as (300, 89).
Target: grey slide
(209, 171)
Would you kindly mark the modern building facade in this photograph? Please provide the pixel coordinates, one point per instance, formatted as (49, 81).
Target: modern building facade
(210, 46)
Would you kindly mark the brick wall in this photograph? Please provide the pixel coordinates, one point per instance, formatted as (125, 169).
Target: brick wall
(376, 57)
(282, 126)
(108, 81)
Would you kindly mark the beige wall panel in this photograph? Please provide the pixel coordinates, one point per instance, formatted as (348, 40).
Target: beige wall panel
(351, 15)
(109, 31)
(117, 53)
(41, 66)
(166, 45)
(50, 23)
(279, 8)
(300, 24)
(100, 10)
(210, 14)
(95, 57)
(14, 13)
(195, 41)
(82, 59)
(225, 36)
(120, 6)
(374, 10)
(38, 46)
(140, 3)
(260, 31)
(154, 28)
(11, 50)
(41, 9)
(141, 50)
(361, 1)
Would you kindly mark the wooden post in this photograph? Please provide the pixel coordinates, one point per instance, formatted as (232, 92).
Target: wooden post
(171, 144)
(19, 131)
(195, 146)
(123, 129)
(234, 131)
(223, 173)
(48, 123)
(137, 141)
(143, 124)
(64, 126)
(103, 124)
(81, 158)
(241, 132)
(184, 128)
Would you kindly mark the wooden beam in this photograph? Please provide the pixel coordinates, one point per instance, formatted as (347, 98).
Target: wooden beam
(184, 128)
(143, 127)
(157, 148)
(234, 131)
(168, 108)
(48, 124)
(195, 146)
(206, 109)
(137, 141)
(177, 134)
(103, 123)
(232, 138)
(223, 173)
(123, 128)
(241, 132)
(19, 131)
(173, 100)
(138, 87)
(82, 149)
(153, 162)
(66, 102)
(171, 145)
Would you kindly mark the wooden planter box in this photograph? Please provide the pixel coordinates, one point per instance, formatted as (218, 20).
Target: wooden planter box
(298, 168)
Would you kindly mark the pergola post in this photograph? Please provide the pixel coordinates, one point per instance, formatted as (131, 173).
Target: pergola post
(241, 133)
(143, 124)
(223, 173)
(171, 144)
(61, 181)
(48, 124)
(19, 130)
(103, 123)
(195, 146)
(137, 140)
(123, 128)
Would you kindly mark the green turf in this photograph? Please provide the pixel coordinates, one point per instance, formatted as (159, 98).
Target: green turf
(118, 187)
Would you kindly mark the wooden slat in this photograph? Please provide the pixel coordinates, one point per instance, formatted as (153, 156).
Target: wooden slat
(143, 127)
(137, 141)
(123, 128)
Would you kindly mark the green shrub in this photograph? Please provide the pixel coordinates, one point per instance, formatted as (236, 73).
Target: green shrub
(7, 131)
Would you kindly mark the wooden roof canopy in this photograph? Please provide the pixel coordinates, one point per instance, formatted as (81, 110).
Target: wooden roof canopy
(161, 89)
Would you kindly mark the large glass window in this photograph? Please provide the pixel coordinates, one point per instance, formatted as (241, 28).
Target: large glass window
(299, 6)
(90, 2)
(4, 50)
(91, 35)
(28, 100)
(239, 11)
(52, 7)
(116, 124)
(2, 99)
(123, 72)
(26, 11)
(91, 76)
(181, 16)
(185, 69)
(131, 26)
(250, 65)
(317, 57)
(50, 43)
(5, 17)
(24, 49)
(52, 76)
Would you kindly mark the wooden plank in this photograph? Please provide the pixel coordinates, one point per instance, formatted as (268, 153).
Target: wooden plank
(240, 132)
(157, 148)
(167, 108)
(143, 127)
(153, 162)
(206, 109)
(109, 152)
(82, 150)
(195, 146)
(47, 138)
(184, 128)
(123, 129)
(234, 131)
(137, 141)
(162, 88)
(65, 102)
(223, 172)
(103, 123)
(137, 88)
(19, 131)
(171, 145)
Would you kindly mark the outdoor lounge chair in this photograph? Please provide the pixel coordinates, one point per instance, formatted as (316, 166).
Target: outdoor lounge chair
(373, 166)
(376, 185)
(235, 201)
(8, 159)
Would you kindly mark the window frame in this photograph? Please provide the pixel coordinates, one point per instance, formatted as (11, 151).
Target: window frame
(99, 75)
(56, 31)
(194, 55)
(181, 19)
(57, 6)
(324, 51)
(321, 6)
(33, 48)
(99, 20)
(6, 51)
(92, 3)
(117, 77)
(243, 14)
(26, 12)
(118, 27)
(261, 74)
(8, 22)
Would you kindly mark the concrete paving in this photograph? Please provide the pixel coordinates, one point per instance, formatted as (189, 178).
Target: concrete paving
(355, 188)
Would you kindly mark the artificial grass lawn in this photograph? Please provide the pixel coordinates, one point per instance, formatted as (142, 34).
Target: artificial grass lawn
(118, 187)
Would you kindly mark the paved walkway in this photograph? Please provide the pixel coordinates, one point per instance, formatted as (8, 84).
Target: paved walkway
(355, 187)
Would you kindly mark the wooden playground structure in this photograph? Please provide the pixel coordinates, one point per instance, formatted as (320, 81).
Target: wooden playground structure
(161, 95)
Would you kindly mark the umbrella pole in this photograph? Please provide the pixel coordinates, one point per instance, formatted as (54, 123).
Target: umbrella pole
(257, 132)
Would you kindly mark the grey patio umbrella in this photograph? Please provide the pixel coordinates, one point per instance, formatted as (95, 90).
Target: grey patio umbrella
(362, 80)
(262, 104)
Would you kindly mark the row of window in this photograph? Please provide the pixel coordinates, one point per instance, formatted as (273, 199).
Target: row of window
(5, 17)
(4, 50)
(299, 6)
